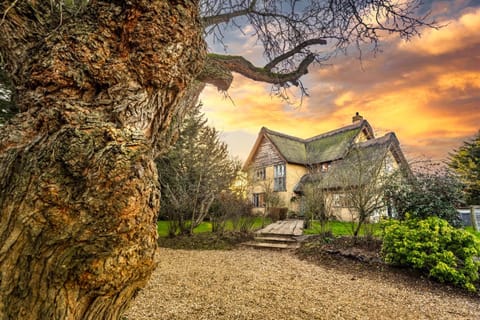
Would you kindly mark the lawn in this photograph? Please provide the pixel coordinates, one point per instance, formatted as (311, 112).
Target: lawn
(206, 226)
(340, 228)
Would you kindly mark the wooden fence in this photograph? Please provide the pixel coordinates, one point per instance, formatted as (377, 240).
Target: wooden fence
(470, 216)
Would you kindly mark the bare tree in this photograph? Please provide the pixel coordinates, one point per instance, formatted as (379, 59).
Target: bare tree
(317, 198)
(97, 84)
(269, 198)
(362, 178)
(231, 207)
(272, 200)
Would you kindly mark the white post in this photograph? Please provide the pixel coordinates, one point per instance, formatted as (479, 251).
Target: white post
(473, 218)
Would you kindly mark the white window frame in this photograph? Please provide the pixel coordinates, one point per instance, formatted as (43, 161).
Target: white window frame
(279, 177)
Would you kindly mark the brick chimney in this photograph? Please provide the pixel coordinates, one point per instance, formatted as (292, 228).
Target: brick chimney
(357, 117)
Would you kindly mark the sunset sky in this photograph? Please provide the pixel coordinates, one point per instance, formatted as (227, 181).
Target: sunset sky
(427, 90)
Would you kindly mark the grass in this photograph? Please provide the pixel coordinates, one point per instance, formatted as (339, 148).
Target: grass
(340, 228)
(206, 226)
(162, 228)
(204, 239)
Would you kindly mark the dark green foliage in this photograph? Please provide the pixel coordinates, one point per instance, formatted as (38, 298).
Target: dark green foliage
(435, 247)
(466, 163)
(429, 191)
(193, 172)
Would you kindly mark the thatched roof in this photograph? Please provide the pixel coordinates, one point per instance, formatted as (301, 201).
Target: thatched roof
(369, 154)
(327, 147)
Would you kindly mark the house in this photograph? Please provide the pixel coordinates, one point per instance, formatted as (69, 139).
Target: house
(280, 165)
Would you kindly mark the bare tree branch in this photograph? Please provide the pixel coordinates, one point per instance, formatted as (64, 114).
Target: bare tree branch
(219, 67)
(290, 30)
(295, 50)
(226, 17)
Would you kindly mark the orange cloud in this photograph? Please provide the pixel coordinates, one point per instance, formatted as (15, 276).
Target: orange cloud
(454, 35)
(427, 91)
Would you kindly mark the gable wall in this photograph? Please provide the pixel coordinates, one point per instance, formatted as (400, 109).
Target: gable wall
(266, 155)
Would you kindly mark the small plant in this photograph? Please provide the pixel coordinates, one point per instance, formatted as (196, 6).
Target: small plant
(434, 247)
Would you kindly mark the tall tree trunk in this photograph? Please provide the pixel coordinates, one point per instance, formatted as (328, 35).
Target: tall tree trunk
(79, 200)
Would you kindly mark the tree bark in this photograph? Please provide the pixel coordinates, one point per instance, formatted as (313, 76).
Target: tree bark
(80, 196)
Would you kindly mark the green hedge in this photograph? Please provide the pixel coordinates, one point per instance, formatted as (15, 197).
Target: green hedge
(434, 247)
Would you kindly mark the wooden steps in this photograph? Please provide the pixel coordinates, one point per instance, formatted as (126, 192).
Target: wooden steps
(273, 239)
(285, 234)
(267, 245)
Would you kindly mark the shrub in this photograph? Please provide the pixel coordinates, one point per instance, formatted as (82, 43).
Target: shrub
(434, 247)
(429, 191)
(231, 206)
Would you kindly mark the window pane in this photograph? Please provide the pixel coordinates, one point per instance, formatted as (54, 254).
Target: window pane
(260, 174)
(279, 184)
(258, 200)
(279, 170)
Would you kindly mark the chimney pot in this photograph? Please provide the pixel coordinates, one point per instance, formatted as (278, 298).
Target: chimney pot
(357, 117)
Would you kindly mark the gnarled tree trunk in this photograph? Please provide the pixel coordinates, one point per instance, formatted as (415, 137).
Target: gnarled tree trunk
(79, 200)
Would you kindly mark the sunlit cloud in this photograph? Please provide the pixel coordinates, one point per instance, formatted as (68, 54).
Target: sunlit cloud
(455, 35)
(427, 91)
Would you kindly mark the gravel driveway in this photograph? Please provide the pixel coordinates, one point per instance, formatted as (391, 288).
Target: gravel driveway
(261, 284)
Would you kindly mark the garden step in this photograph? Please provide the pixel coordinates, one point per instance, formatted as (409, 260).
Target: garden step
(262, 238)
(270, 245)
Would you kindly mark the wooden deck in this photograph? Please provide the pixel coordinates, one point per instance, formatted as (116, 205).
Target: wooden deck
(283, 234)
(284, 228)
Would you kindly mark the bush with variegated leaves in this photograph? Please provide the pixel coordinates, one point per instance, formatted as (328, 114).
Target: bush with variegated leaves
(435, 247)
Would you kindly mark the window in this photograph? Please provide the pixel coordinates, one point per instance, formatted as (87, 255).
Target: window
(258, 200)
(339, 200)
(279, 178)
(260, 174)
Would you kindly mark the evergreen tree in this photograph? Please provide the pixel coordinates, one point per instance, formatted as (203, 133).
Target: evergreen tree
(466, 163)
(193, 173)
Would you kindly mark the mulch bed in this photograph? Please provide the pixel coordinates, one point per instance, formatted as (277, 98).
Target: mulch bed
(206, 241)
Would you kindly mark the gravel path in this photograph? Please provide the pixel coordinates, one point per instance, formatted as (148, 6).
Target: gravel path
(261, 284)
